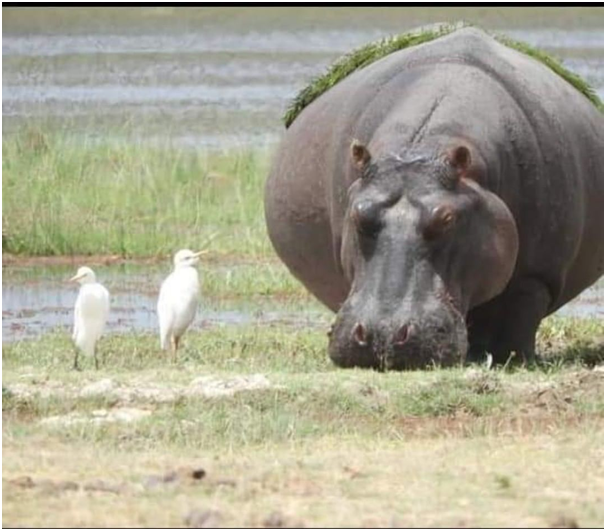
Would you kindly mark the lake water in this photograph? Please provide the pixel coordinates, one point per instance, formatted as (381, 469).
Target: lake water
(221, 76)
(37, 300)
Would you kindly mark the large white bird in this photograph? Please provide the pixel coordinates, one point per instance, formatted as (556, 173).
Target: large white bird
(178, 300)
(90, 316)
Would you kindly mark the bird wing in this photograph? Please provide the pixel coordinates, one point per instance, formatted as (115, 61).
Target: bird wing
(165, 307)
(178, 301)
(185, 297)
(92, 310)
(77, 316)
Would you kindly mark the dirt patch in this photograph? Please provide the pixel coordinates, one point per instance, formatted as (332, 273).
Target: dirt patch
(465, 425)
(132, 392)
(53, 487)
(179, 476)
(561, 396)
(100, 485)
(99, 416)
(279, 520)
(564, 522)
(203, 519)
(211, 387)
(185, 476)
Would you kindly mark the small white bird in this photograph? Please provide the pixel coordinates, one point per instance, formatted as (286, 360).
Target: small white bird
(90, 316)
(178, 300)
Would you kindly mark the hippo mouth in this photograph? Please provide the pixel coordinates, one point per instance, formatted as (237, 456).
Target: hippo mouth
(436, 338)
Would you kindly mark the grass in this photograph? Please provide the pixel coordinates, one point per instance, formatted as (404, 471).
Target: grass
(310, 397)
(319, 446)
(85, 197)
(372, 52)
(317, 430)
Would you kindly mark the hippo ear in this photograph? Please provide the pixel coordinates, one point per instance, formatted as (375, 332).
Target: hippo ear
(460, 159)
(359, 154)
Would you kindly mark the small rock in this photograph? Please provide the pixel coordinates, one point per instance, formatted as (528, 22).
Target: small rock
(54, 487)
(193, 473)
(203, 519)
(103, 486)
(127, 414)
(564, 522)
(99, 416)
(25, 482)
(101, 387)
(224, 482)
(67, 485)
(154, 481)
(278, 520)
(211, 387)
(180, 475)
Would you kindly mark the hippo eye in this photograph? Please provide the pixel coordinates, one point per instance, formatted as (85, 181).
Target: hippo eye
(442, 218)
(366, 216)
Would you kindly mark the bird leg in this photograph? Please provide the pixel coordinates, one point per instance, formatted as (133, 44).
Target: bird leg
(76, 368)
(175, 345)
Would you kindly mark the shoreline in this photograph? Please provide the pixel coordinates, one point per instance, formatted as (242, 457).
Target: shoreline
(17, 260)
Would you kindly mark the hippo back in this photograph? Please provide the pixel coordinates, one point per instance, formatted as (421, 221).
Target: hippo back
(541, 140)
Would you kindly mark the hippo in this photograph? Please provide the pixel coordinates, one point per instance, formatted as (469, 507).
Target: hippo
(442, 200)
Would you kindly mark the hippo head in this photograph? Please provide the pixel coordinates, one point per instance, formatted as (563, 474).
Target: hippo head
(422, 243)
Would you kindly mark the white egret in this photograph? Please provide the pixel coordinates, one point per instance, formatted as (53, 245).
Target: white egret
(90, 316)
(178, 300)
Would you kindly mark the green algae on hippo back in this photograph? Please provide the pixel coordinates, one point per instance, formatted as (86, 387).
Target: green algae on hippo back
(371, 52)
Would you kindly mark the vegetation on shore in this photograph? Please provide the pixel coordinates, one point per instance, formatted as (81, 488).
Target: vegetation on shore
(65, 196)
(304, 432)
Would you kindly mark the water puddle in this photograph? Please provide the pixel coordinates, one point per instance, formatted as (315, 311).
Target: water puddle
(37, 300)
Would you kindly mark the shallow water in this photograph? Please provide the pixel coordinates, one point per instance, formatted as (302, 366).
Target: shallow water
(37, 300)
(217, 84)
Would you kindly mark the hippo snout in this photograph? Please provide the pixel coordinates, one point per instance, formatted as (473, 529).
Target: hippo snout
(400, 343)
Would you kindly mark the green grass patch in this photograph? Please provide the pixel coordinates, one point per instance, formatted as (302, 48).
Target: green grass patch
(65, 196)
(316, 434)
(308, 397)
(268, 349)
(372, 52)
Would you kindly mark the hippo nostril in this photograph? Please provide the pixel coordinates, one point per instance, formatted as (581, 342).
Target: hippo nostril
(402, 335)
(359, 335)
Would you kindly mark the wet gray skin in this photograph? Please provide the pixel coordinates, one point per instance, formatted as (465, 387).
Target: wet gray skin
(443, 232)
(470, 209)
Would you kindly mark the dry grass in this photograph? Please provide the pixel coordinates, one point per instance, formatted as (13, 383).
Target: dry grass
(316, 446)
(512, 480)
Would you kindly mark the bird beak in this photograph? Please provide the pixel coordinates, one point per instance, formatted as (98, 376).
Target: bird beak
(200, 253)
(75, 277)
